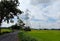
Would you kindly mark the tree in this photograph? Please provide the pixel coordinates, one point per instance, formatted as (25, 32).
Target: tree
(8, 9)
(20, 23)
(27, 28)
(18, 26)
(14, 27)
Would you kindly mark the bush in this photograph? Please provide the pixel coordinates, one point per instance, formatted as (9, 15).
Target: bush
(27, 28)
(23, 37)
(4, 32)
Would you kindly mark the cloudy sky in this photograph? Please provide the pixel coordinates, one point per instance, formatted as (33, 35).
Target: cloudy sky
(43, 13)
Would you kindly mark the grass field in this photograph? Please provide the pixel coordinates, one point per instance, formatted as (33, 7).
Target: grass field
(45, 35)
(5, 30)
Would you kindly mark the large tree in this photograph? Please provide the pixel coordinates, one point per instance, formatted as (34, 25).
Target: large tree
(8, 9)
(20, 23)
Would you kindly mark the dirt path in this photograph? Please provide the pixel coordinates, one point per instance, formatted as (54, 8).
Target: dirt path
(9, 37)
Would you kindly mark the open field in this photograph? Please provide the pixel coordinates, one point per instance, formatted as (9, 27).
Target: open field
(45, 35)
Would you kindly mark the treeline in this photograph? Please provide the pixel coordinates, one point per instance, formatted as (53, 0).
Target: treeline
(47, 29)
(16, 27)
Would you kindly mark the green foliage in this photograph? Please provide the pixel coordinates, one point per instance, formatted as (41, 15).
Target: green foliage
(24, 37)
(45, 35)
(20, 22)
(5, 30)
(27, 28)
(15, 27)
(8, 9)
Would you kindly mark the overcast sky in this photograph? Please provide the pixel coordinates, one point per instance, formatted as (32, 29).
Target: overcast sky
(43, 13)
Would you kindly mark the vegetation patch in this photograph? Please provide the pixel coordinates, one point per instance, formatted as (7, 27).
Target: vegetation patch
(23, 36)
(4, 31)
(45, 35)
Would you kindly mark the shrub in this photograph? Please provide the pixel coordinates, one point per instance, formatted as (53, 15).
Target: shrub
(4, 32)
(23, 37)
(27, 28)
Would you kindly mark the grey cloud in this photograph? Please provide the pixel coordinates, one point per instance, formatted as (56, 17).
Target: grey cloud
(36, 2)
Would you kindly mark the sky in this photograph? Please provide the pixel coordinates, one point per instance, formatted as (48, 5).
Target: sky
(42, 13)
(5, 24)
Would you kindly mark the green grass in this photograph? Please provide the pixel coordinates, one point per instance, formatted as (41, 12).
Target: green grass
(23, 36)
(5, 30)
(45, 35)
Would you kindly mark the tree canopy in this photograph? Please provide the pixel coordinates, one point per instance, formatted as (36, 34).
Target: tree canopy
(8, 9)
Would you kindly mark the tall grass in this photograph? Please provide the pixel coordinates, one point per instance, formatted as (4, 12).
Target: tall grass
(3, 31)
(23, 36)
